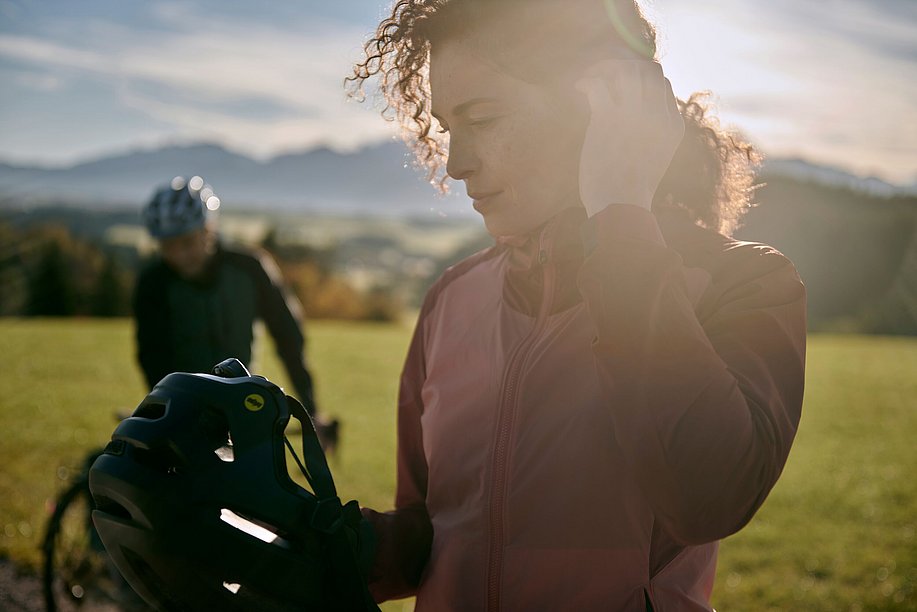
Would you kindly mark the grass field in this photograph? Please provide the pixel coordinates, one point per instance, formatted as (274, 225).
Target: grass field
(839, 532)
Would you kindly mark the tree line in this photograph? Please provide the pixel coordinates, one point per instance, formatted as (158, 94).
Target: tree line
(856, 253)
(47, 271)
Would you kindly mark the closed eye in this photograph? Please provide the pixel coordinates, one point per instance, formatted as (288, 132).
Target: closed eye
(443, 126)
(483, 121)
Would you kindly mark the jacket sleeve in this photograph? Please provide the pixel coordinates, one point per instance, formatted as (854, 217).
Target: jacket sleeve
(151, 324)
(705, 412)
(404, 536)
(282, 314)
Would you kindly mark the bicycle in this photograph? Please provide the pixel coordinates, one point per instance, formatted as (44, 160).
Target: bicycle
(77, 573)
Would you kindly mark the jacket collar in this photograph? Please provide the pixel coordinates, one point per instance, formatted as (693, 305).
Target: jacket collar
(559, 239)
(556, 243)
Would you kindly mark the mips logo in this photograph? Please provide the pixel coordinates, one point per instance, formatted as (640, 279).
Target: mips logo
(254, 402)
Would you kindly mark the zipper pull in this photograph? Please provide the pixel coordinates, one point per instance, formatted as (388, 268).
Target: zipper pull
(542, 257)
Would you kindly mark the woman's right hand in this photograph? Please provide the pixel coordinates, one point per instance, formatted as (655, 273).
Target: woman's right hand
(633, 132)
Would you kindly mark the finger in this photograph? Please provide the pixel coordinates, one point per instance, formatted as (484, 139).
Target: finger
(670, 101)
(622, 77)
(606, 68)
(630, 83)
(676, 121)
(597, 91)
(653, 89)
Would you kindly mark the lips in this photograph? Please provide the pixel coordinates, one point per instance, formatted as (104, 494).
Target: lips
(483, 201)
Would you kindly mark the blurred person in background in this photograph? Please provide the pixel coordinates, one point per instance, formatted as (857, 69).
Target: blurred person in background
(197, 302)
(591, 404)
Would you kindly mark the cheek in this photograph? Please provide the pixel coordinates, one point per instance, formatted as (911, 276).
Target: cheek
(549, 157)
(517, 152)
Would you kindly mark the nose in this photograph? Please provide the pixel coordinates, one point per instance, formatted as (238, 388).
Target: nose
(462, 160)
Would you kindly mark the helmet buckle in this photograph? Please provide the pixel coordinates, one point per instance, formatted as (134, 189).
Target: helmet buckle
(328, 515)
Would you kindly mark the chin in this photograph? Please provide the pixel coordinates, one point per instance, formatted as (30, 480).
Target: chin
(496, 229)
(512, 224)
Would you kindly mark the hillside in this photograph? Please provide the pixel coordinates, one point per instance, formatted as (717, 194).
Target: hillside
(856, 252)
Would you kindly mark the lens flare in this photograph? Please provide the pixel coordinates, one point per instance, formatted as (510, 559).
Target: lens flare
(635, 42)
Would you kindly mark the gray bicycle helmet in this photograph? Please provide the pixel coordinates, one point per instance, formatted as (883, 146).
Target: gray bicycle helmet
(180, 207)
(196, 507)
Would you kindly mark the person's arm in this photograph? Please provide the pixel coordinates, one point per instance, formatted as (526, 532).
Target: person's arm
(704, 411)
(151, 324)
(282, 314)
(404, 536)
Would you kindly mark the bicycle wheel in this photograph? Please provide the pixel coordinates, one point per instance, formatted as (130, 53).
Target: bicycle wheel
(77, 574)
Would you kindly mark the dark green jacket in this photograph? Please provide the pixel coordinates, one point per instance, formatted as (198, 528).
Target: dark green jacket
(189, 326)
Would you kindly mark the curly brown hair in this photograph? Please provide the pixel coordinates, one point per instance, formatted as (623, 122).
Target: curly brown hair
(712, 175)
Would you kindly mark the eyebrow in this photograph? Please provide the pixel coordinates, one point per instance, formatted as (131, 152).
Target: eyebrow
(465, 106)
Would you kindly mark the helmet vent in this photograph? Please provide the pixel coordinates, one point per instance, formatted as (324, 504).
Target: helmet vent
(150, 410)
(214, 431)
(162, 460)
(253, 529)
(152, 582)
(232, 587)
(243, 524)
(109, 506)
(225, 452)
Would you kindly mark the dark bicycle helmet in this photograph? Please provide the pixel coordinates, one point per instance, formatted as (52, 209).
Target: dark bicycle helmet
(196, 507)
(180, 207)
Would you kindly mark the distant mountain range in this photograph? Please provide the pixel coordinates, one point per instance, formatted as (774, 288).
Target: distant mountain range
(834, 177)
(380, 180)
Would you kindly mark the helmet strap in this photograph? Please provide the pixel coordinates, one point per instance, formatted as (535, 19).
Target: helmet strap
(341, 524)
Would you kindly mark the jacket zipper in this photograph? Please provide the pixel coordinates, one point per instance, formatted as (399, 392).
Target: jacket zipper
(505, 422)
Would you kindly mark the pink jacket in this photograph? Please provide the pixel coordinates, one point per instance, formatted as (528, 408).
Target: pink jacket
(579, 432)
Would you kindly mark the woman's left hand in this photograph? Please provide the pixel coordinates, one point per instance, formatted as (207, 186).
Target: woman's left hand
(633, 132)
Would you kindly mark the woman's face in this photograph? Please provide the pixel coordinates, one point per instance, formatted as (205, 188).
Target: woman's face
(515, 145)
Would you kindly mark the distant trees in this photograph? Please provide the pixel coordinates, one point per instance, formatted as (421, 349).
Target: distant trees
(325, 294)
(52, 289)
(111, 295)
(856, 253)
(13, 279)
(47, 272)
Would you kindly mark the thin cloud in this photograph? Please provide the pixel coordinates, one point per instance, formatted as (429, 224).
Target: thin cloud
(258, 88)
(882, 28)
(832, 81)
(825, 81)
(47, 54)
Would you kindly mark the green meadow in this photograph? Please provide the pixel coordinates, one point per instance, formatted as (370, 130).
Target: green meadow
(839, 531)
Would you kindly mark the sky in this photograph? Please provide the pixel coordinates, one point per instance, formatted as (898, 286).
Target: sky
(832, 81)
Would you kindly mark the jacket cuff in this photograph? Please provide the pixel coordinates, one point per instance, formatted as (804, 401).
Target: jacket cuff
(402, 546)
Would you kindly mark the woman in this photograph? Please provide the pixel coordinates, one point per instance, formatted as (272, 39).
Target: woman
(588, 406)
